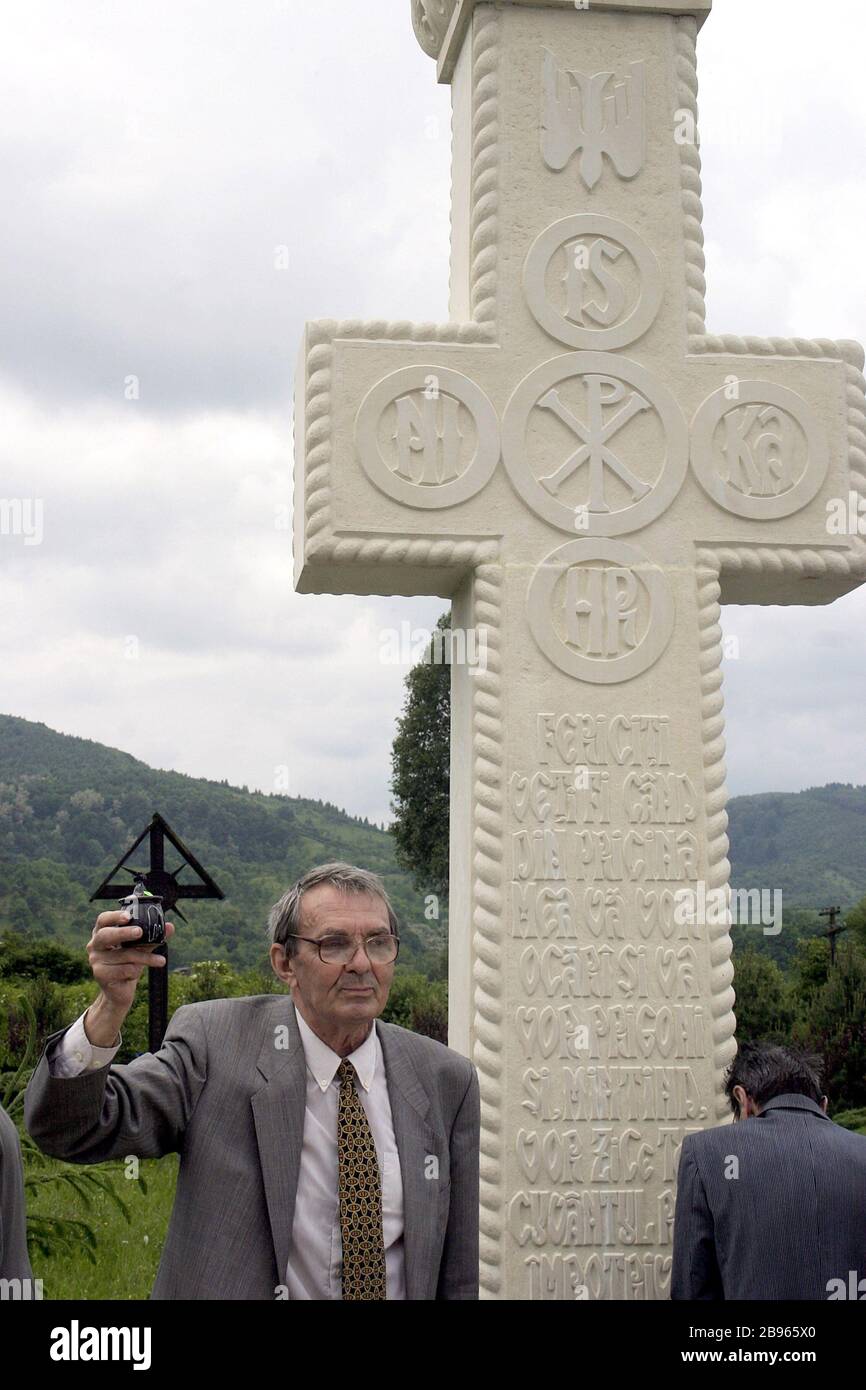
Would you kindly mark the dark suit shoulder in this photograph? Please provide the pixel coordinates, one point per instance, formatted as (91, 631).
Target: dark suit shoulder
(774, 1127)
(709, 1142)
(847, 1139)
(426, 1050)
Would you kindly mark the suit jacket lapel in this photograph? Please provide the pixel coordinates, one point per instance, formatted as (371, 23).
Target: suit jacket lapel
(416, 1143)
(279, 1107)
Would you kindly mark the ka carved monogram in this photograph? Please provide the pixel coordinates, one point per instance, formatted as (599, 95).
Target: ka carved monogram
(763, 457)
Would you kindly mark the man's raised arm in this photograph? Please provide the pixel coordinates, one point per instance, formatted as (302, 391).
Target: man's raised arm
(88, 1113)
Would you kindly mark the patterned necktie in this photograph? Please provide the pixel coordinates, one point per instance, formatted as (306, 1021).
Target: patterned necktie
(360, 1196)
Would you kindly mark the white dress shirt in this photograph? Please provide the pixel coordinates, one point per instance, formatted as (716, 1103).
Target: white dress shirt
(315, 1263)
(316, 1258)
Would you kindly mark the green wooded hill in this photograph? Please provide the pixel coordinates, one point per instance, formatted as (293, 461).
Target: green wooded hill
(810, 844)
(70, 807)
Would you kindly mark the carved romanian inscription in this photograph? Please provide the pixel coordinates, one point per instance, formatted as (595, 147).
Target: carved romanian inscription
(612, 1019)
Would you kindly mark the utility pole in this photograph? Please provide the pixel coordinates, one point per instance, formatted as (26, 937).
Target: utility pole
(832, 930)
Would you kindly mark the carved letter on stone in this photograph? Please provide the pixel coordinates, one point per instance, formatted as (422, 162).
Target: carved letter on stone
(592, 282)
(581, 112)
(600, 611)
(428, 437)
(762, 456)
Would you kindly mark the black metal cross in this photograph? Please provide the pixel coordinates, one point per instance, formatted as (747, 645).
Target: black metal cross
(163, 884)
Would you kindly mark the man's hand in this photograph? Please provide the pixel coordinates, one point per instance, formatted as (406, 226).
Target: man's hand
(117, 972)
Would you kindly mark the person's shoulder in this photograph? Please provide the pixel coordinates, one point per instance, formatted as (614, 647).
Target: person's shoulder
(846, 1138)
(427, 1050)
(709, 1140)
(245, 1011)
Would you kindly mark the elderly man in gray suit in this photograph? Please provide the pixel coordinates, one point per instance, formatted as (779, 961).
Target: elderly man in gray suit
(324, 1155)
(773, 1207)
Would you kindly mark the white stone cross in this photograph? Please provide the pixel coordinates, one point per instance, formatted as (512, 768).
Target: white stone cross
(586, 475)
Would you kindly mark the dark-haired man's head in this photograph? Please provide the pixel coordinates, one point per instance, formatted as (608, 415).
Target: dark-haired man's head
(761, 1071)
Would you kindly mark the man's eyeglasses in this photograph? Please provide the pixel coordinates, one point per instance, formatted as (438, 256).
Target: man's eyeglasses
(381, 948)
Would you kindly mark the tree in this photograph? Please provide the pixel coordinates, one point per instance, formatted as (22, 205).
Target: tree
(27, 959)
(763, 1010)
(420, 759)
(811, 968)
(834, 1025)
(419, 1004)
(855, 921)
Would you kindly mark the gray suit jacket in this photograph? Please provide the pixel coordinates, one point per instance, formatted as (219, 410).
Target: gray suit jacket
(232, 1104)
(793, 1219)
(14, 1260)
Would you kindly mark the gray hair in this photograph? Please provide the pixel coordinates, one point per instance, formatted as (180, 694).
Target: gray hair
(285, 915)
(765, 1070)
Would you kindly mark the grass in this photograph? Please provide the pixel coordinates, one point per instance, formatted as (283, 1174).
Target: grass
(127, 1254)
(852, 1119)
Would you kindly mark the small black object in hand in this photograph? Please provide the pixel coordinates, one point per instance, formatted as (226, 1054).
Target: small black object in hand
(145, 911)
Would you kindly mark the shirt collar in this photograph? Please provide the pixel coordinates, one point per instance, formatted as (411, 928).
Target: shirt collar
(323, 1063)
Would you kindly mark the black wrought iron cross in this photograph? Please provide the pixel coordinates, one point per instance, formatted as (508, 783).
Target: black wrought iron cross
(163, 884)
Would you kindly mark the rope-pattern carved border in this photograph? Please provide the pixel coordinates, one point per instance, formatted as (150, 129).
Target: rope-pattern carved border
(686, 32)
(715, 800)
(423, 550)
(711, 562)
(488, 912)
(485, 167)
(316, 462)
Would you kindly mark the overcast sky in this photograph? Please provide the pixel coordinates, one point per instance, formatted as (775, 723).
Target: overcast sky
(153, 156)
